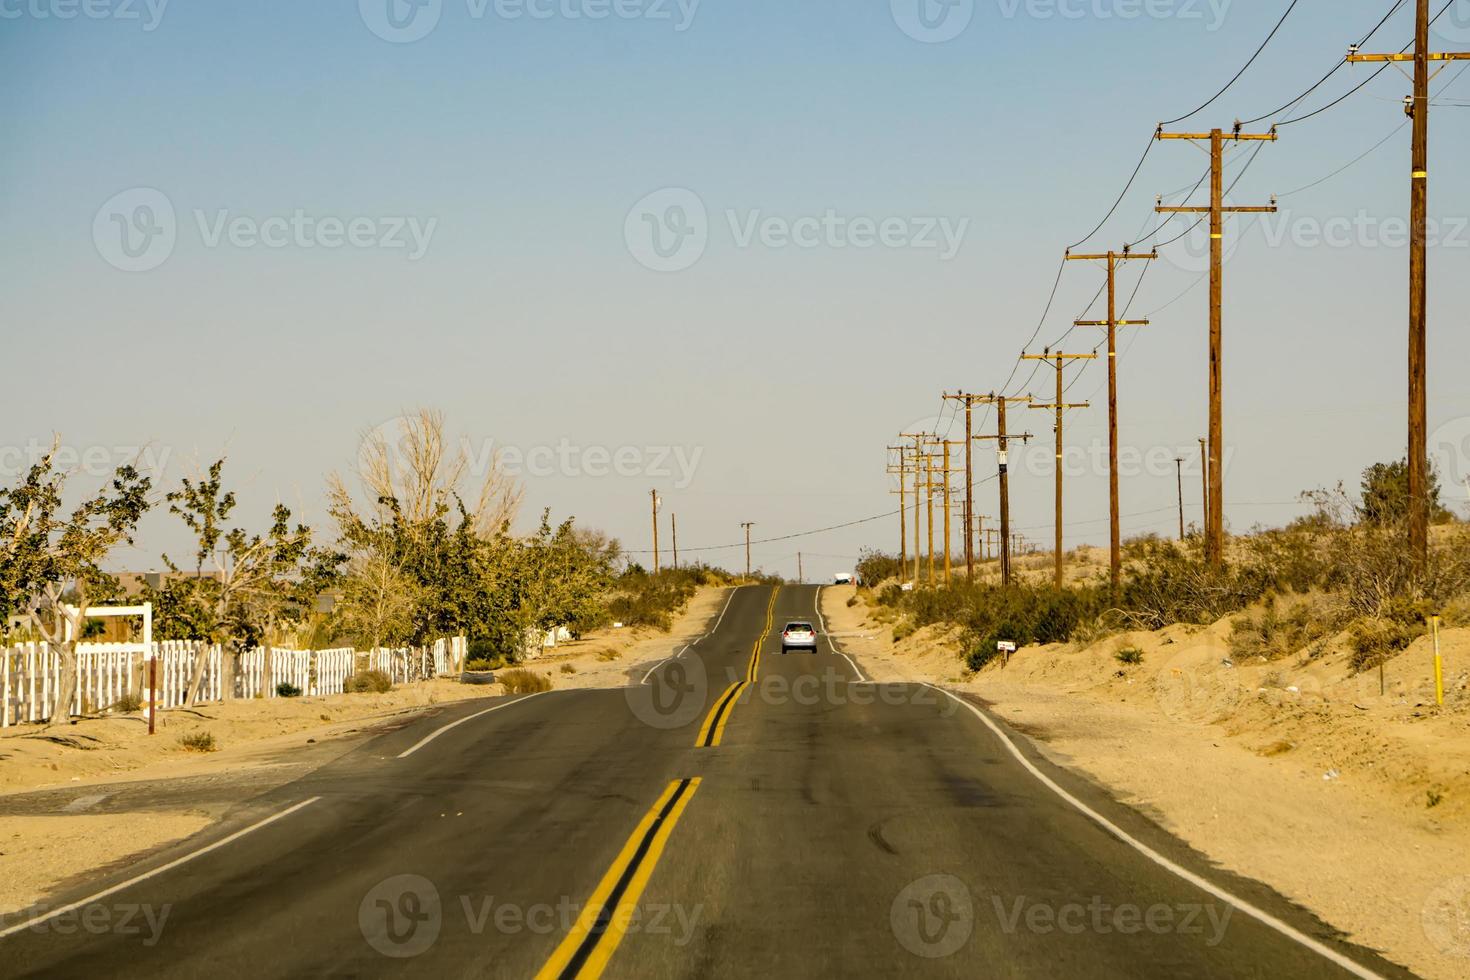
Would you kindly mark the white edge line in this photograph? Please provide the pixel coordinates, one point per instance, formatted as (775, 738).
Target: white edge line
(862, 678)
(654, 669)
(1258, 914)
(455, 724)
(37, 920)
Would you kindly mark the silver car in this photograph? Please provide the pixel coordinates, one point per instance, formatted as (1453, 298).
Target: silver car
(798, 636)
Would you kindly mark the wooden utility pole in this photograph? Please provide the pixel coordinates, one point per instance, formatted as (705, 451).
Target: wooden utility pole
(654, 495)
(903, 506)
(984, 542)
(920, 440)
(1204, 480)
(948, 507)
(969, 514)
(1113, 323)
(1417, 108)
(1060, 406)
(1179, 475)
(800, 575)
(747, 525)
(929, 508)
(674, 527)
(1002, 442)
(1215, 517)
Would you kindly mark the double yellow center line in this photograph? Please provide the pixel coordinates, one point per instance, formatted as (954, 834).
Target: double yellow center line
(600, 927)
(713, 728)
(587, 948)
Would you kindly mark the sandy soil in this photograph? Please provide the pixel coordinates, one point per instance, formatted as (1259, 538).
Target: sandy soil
(37, 852)
(269, 739)
(1355, 804)
(615, 658)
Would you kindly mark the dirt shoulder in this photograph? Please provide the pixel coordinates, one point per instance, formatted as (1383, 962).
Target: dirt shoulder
(618, 657)
(1352, 803)
(259, 744)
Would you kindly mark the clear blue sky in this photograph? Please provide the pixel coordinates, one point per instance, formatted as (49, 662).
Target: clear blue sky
(526, 141)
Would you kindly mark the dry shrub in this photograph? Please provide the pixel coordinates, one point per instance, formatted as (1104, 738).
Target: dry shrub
(369, 682)
(200, 741)
(1287, 626)
(521, 681)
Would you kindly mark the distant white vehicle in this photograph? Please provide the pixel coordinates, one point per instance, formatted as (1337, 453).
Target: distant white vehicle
(799, 636)
(843, 578)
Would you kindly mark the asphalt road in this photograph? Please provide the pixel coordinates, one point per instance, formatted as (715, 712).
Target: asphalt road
(732, 813)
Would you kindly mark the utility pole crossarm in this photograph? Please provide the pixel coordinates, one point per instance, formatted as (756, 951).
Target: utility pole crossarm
(1065, 406)
(1270, 137)
(1112, 256)
(1109, 323)
(1168, 209)
(1405, 56)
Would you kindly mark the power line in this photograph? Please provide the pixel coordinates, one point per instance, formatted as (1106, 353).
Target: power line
(1242, 71)
(1337, 66)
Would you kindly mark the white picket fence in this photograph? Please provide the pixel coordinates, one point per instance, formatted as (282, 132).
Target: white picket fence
(108, 672)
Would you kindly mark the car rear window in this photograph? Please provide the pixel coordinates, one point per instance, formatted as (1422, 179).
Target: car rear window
(799, 626)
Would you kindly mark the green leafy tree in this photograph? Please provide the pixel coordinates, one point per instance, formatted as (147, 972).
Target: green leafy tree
(244, 586)
(51, 560)
(1385, 492)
